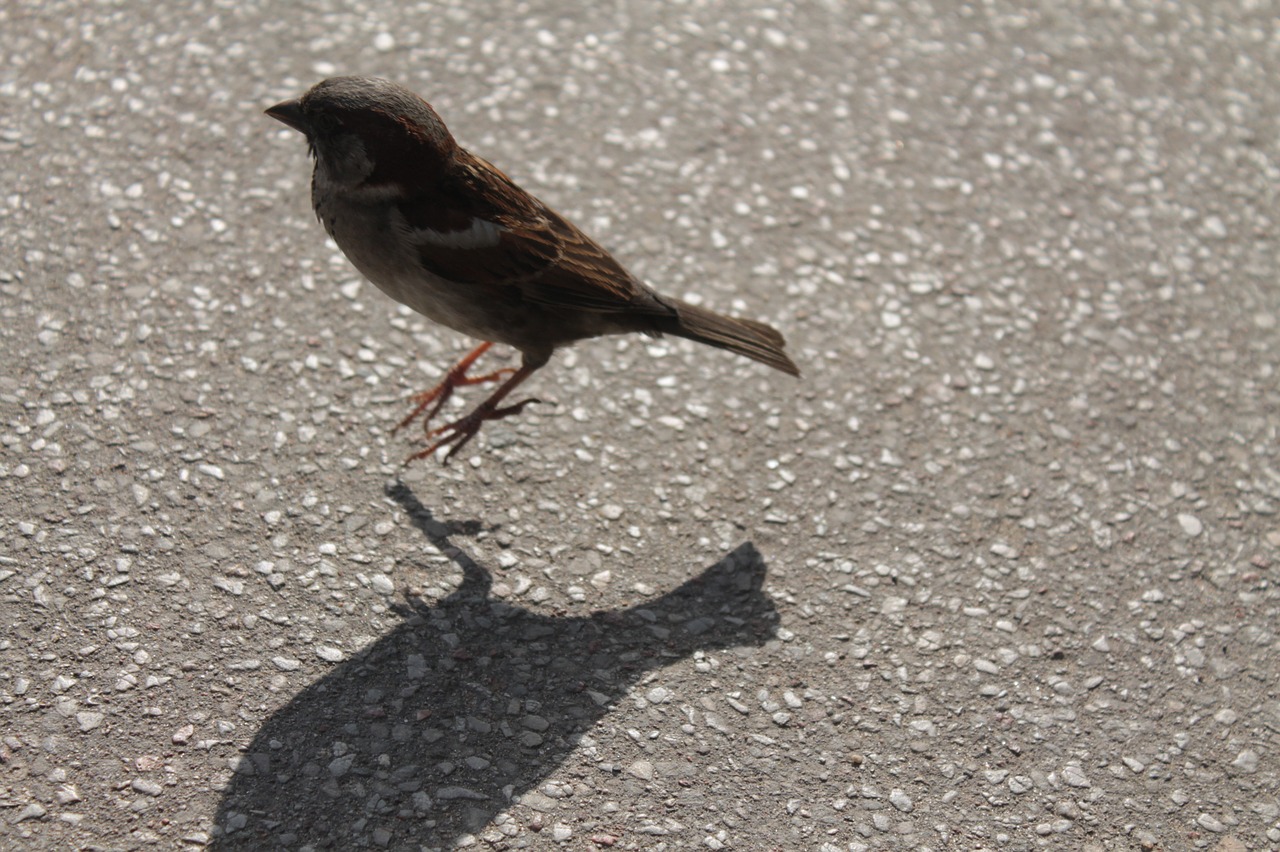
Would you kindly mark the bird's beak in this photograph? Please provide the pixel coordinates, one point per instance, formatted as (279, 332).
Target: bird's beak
(290, 113)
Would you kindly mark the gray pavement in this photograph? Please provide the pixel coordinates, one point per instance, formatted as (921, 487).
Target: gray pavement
(998, 572)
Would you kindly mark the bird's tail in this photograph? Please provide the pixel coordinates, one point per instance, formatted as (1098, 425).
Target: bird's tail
(756, 340)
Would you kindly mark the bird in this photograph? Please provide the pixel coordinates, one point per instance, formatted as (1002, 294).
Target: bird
(448, 234)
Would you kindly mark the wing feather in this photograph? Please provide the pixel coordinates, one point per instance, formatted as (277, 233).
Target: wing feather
(476, 227)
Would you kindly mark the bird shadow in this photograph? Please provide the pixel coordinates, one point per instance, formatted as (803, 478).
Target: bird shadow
(467, 704)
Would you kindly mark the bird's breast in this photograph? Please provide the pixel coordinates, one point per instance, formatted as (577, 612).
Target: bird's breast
(373, 240)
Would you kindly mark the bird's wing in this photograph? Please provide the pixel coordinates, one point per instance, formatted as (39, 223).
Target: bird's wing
(477, 227)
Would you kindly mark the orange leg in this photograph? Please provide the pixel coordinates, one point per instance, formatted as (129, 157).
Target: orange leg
(455, 435)
(456, 377)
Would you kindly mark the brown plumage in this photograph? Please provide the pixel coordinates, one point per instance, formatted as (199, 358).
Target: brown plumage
(448, 234)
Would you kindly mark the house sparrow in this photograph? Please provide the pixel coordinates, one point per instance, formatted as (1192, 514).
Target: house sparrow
(439, 229)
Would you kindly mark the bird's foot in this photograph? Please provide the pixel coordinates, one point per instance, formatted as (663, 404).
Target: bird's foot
(457, 434)
(457, 377)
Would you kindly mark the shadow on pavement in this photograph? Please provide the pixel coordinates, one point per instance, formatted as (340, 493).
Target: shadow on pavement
(438, 726)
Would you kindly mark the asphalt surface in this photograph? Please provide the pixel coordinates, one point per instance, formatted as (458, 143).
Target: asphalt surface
(998, 572)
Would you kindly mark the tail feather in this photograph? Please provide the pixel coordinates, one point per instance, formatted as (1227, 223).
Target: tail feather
(755, 340)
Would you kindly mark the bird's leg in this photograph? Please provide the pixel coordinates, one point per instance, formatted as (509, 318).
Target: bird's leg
(456, 377)
(455, 435)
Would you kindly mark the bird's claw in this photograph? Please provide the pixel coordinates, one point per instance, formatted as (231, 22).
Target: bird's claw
(459, 433)
(440, 395)
(456, 378)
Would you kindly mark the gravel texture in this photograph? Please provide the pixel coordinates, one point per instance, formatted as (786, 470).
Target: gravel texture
(999, 572)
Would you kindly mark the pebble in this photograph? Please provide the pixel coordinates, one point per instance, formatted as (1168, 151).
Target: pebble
(89, 719)
(32, 811)
(1019, 784)
(641, 769)
(535, 723)
(1190, 524)
(1210, 823)
(1246, 761)
(1073, 776)
(147, 787)
(453, 793)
